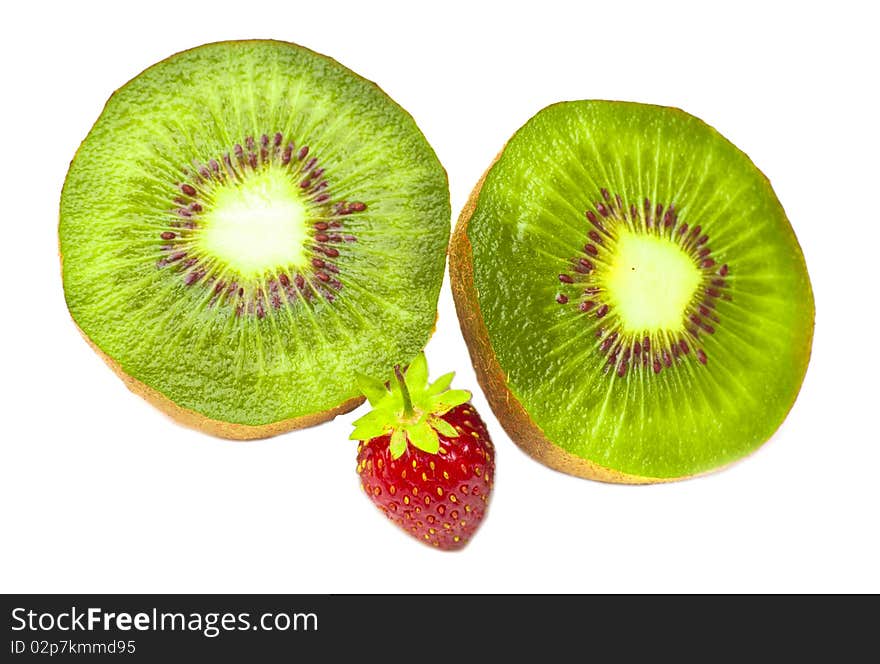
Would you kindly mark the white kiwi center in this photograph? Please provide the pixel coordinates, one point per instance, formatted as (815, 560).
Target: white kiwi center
(650, 283)
(258, 224)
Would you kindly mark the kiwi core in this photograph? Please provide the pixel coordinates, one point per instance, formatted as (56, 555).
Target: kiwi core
(646, 284)
(258, 224)
(259, 228)
(650, 283)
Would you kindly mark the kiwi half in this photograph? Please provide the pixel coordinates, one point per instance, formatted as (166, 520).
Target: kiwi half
(247, 226)
(635, 302)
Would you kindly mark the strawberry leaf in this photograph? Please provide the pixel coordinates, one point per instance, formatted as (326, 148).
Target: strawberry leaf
(373, 424)
(443, 427)
(423, 436)
(372, 388)
(398, 443)
(417, 375)
(448, 400)
(440, 385)
(409, 409)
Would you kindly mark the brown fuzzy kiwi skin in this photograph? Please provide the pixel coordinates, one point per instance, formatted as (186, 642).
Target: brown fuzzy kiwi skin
(513, 418)
(219, 428)
(191, 418)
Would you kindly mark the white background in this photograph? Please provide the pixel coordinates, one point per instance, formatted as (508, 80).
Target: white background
(102, 493)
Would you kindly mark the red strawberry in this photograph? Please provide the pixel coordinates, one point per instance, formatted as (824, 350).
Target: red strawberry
(425, 458)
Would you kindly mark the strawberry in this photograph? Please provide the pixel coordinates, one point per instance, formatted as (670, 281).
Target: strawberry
(425, 458)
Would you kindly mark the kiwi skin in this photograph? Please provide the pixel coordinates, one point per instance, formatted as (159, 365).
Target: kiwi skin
(230, 430)
(191, 418)
(514, 419)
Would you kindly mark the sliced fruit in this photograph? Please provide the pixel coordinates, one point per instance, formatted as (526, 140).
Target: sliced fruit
(633, 296)
(247, 226)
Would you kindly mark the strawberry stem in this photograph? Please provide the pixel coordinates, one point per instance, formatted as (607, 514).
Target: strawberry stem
(407, 401)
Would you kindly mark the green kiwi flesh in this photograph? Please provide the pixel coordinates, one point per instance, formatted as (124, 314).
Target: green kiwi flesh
(639, 289)
(247, 226)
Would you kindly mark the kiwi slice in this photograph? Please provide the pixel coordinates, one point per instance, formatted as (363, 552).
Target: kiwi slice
(248, 226)
(634, 299)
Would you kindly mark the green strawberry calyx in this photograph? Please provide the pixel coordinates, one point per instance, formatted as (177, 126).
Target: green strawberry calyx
(409, 408)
